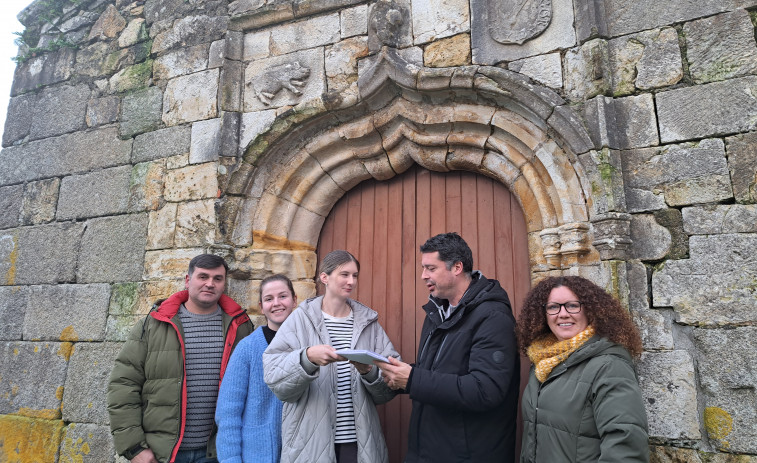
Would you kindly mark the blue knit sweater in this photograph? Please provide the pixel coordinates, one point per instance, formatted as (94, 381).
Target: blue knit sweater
(248, 414)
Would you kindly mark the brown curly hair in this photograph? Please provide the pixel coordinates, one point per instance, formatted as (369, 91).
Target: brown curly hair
(609, 319)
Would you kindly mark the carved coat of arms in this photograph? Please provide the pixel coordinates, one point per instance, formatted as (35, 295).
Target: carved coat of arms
(516, 21)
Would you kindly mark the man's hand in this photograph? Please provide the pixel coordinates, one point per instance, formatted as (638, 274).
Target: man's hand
(145, 456)
(362, 368)
(396, 373)
(323, 354)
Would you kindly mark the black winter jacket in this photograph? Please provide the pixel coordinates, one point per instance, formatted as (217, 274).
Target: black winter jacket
(464, 385)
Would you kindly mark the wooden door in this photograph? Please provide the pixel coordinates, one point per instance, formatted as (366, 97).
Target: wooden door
(384, 223)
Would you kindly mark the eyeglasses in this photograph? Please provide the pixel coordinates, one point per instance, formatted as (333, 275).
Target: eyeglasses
(570, 307)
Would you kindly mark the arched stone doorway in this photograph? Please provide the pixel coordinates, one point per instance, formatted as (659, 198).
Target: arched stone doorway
(383, 224)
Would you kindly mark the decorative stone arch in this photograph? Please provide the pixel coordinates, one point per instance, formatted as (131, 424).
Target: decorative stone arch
(476, 118)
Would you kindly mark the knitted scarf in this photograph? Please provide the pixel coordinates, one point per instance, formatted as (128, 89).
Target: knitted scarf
(546, 352)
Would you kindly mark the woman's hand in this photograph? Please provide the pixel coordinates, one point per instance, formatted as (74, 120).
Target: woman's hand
(323, 354)
(362, 368)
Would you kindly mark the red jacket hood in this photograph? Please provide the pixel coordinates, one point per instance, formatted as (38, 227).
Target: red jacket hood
(170, 307)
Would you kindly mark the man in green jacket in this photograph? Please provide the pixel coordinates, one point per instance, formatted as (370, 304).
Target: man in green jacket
(164, 385)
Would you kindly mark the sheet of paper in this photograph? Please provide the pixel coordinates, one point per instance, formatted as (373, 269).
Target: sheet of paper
(362, 356)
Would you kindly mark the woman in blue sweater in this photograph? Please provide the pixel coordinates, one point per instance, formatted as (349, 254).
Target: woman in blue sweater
(248, 415)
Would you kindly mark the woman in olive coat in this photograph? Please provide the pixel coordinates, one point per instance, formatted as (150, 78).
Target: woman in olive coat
(582, 402)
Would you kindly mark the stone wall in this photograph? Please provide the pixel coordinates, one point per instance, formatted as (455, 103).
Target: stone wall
(143, 132)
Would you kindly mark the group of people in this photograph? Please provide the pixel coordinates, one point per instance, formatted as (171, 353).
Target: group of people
(195, 384)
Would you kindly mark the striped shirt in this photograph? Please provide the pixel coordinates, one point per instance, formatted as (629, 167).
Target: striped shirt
(203, 343)
(340, 331)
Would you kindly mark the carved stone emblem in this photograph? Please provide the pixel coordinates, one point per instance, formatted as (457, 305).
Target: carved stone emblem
(386, 22)
(516, 21)
(291, 76)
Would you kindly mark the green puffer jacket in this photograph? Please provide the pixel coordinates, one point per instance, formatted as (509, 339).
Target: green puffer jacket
(589, 409)
(147, 390)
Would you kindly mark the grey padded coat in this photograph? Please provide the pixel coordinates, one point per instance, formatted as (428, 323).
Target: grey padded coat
(309, 413)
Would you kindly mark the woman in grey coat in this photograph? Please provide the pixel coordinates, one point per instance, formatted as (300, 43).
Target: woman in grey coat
(583, 402)
(330, 404)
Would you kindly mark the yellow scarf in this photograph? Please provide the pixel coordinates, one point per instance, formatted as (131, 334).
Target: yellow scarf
(546, 352)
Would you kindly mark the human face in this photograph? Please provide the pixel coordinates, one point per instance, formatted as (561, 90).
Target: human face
(277, 302)
(565, 325)
(342, 281)
(442, 283)
(205, 286)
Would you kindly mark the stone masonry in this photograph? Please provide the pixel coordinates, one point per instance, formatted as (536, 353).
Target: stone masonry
(143, 132)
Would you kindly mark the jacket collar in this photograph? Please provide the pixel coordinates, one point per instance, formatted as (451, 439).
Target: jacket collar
(362, 315)
(170, 307)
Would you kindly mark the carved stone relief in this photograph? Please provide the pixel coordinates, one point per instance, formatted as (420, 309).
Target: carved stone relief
(516, 21)
(290, 76)
(387, 25)
(565, 244)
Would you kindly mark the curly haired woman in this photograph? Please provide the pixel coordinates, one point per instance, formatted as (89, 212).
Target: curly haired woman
(582, 402)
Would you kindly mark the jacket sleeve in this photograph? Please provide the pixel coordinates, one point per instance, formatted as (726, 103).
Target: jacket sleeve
(232, 398)
(379, 391)
(492, 365)
(282, 370)
(619, 413)
(125, 392)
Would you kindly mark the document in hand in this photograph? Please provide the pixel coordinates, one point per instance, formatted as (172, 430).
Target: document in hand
(362, 356)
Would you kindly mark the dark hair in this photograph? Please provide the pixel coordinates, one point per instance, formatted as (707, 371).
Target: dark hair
(272, 278)
(334, 259)
(452, 248)
(207, 261)
(609, 319)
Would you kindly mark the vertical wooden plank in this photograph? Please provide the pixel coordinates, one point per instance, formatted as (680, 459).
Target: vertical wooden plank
(504, 263)
(453, 202)
(352, 226)
(378, 269)
(438, 204)
(423, 227)
(366, 226)
(469, 202)
(487, 249)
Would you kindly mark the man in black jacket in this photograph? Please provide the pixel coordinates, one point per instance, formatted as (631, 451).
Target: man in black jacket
(464, 384)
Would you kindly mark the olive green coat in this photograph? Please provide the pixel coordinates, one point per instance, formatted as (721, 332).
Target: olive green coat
(589, 409)
(147, 390)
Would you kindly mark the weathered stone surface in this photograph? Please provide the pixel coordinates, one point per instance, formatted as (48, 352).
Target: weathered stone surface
(162, 227)
(172, 263)
(341, 65)
(102, 111)
(33, 378)
(181, 62)
(146, 189)
(716, 219)
(650, 240)
(189, 31)
(257, 45)
(274, 76)
(586, 70)
(46, 69)
(191, 98)
(725, 360)
(742, 163)
(13, 303)
(32, 439)
(448, 52)
(655, 328)
(112, 249)
(195, 224)
(715, 285)
(84, 396)
(67, 312)
(216, 52)
(18, 119)
(660, 454)
(645, 61)
(87, 443)
(40, 255)
(353, 21)
(701, 111)
(437, 19)
(103, 192)
(134, 32)
(546, 69)
(721, 47)
(100, 59)
(301, 35)
(253, 124)
(40, 201)
(109, 25)
(672, 220)
(205, 145)
(669, 387)
(10, 205)
(487, 16)
(192, 182)
(132, 78)
(162, 143)
(232, 81)
(681, 174)
(141, 111)
(59, 110)
(636, 122)
(168, 10)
